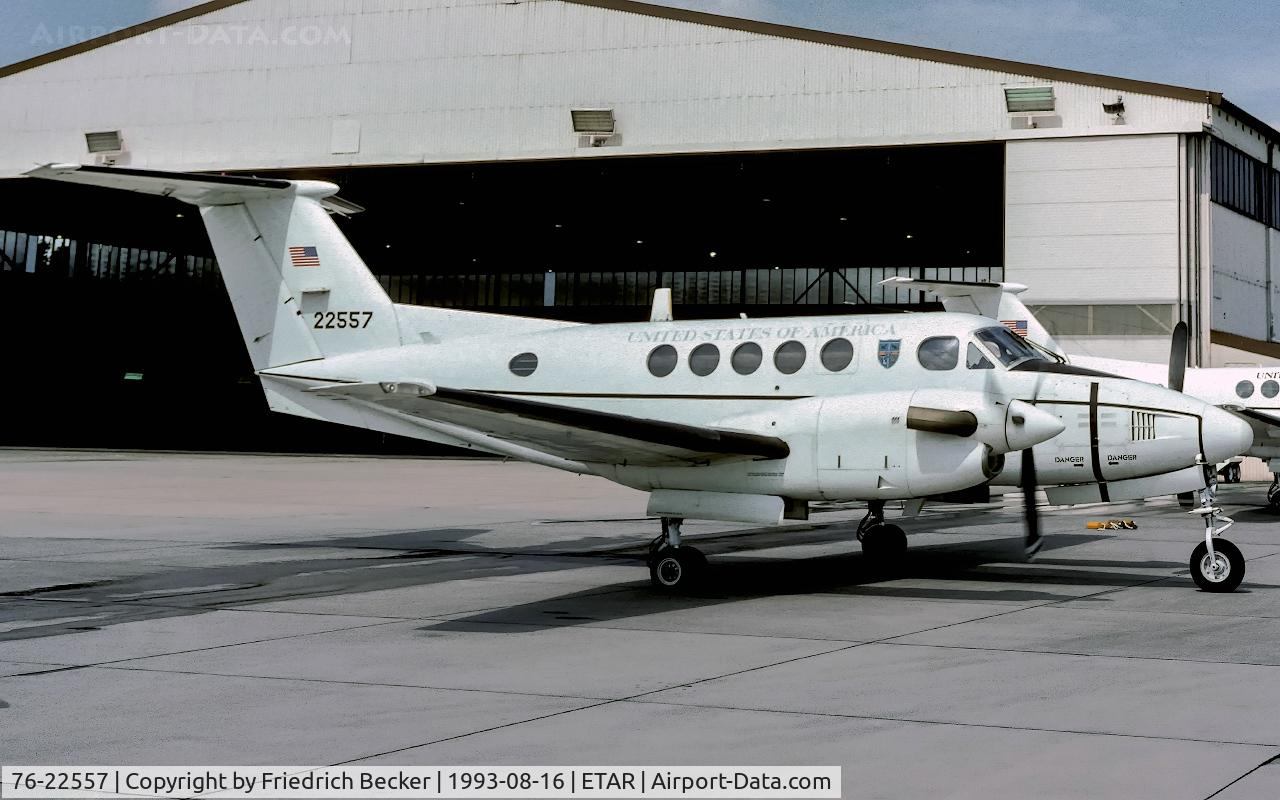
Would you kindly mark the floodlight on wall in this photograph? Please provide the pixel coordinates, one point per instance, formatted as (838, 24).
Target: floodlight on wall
(1115, 109)
(1028, 99)
(104, 142)
(594, 126)
(107, 148)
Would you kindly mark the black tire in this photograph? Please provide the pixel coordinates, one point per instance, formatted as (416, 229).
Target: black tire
(884, 546)
(1273, 496)
(1233, 473)
(676, 569)
(1228, 556)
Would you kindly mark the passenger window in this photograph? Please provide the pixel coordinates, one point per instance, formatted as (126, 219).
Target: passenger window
(746, 358)
(974, 359)
(523, 364)
(662, 360)
(704, 359)
(1270, 388)
(1244, 388)
(789, 357)
(836, 354)
(939, 353)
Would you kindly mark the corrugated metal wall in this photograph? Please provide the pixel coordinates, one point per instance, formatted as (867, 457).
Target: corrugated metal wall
(262, 84)
(1240, 282)
(1092, 219)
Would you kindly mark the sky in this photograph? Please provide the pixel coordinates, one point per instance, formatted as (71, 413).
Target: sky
(1232, 46)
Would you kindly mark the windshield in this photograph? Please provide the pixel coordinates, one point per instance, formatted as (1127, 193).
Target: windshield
(1009, 349)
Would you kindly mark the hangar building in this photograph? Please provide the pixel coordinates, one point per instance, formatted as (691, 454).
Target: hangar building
(566, 157)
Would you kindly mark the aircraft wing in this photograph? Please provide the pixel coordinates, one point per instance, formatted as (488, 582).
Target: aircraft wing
(576, 434)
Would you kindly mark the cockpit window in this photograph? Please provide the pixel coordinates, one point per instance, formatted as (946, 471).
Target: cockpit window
(939, 353)
(1008, 349)
(974, 359)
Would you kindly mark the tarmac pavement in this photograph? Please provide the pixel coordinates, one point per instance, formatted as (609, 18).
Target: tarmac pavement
(237, 609)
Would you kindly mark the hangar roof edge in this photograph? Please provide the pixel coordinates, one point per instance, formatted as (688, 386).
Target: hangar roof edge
(749, 26)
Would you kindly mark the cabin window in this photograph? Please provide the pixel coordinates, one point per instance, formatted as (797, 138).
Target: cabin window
(789, 357)
(836, 354)
(662, 360)
(746, 358)
(1244, 388)
(704, 359)
(939, 353)
(974, 359)
(523, 364)
(1270, 388)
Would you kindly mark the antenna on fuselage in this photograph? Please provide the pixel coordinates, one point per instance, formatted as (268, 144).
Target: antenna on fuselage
(661, 309)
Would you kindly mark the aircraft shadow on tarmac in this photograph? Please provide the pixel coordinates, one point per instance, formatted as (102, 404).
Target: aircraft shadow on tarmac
(980, 563)
(972, 570)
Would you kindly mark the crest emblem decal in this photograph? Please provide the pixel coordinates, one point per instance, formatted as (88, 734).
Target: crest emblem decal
(888, 352)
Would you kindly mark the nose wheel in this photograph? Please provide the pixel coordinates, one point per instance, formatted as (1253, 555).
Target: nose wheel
(1216, 564)
(1219, 571)
(674, 566)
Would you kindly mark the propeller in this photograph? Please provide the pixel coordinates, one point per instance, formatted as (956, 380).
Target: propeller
(1032, 540)
(1178, 356)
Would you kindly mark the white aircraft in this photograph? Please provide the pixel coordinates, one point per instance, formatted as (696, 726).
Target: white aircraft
(739, 420)
(1251, 393)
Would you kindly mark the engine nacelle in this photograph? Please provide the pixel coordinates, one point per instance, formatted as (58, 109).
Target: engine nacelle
(883, 446)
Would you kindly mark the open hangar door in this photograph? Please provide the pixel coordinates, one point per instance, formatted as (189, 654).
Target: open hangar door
(120, 325)
(757, 233)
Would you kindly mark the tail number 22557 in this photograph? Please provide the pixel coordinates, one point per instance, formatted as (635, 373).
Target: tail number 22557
(329, 320)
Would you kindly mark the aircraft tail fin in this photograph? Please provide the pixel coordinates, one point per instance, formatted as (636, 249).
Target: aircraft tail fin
(299, 289)
(998, 301)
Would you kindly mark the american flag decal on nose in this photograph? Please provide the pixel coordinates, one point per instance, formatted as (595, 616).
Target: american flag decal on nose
(1018, 326)
(304, 256)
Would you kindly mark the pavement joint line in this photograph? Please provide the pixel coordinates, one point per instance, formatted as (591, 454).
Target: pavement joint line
(635, 697)
(1077, 654)
(1105, 610)
(990, 725)
(372, 684)
(1242, 777)
(589, 626)
(100, 552)
(214, 647)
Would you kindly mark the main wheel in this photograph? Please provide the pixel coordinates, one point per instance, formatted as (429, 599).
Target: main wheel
(1273, 496)
(676, 569)
(1223, 572)
(885, 547)
(1232, 473)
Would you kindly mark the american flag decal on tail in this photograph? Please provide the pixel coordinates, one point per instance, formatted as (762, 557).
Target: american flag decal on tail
(1018, 326)
(304, 256)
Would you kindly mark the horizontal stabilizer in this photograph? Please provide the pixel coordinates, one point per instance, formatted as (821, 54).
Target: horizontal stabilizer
(195, 188)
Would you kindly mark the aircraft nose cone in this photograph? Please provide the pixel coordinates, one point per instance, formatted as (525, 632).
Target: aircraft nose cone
(1225, 435)
(1026, 425)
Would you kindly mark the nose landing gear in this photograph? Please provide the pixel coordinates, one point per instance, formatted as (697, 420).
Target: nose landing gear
(1216, 564)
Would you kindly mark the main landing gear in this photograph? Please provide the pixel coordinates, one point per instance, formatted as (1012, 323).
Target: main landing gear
(884, 545)
(673, 565)
(1216, 564)
(1273, 492)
